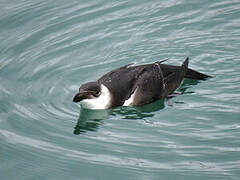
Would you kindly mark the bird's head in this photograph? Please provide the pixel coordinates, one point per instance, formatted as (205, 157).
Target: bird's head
(88, 90)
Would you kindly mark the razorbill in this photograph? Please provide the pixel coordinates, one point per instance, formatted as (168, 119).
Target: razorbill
(135, 85)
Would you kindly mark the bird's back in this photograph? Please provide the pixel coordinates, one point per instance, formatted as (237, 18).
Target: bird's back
(122, 81)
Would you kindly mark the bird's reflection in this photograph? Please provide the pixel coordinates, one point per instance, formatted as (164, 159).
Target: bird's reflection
(90, 120)
(141, 112)
(186, 84)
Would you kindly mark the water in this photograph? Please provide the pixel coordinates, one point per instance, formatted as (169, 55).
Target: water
(49, 48)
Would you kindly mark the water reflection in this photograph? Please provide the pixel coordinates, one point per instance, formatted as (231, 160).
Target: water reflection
(139, 112)
(186, 84)
(89, 120)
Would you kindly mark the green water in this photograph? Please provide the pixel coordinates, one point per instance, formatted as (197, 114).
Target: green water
(49, 48)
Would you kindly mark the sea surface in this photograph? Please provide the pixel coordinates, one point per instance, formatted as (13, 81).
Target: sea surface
(49, 48)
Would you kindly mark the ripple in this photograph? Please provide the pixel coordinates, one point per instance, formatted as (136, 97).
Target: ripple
(49, 48)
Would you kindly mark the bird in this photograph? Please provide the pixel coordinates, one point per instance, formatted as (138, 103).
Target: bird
(135, 85)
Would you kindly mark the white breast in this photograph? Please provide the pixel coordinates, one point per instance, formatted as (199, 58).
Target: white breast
(101, 102)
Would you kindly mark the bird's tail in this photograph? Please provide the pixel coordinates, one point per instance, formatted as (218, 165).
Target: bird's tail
(192, 74)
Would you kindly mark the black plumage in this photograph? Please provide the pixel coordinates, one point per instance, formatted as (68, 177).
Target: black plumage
(148, 82)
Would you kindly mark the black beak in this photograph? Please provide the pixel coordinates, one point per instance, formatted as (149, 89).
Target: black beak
(82, 95)
(78, 97)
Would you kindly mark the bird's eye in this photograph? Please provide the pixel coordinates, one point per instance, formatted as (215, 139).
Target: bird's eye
(95, 93)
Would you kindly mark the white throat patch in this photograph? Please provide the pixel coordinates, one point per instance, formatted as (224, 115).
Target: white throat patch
(101, 102)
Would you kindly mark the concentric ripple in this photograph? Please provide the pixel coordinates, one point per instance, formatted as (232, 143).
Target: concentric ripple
(49, 48)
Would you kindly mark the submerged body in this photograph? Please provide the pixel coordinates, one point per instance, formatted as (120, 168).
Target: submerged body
(136, 85)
